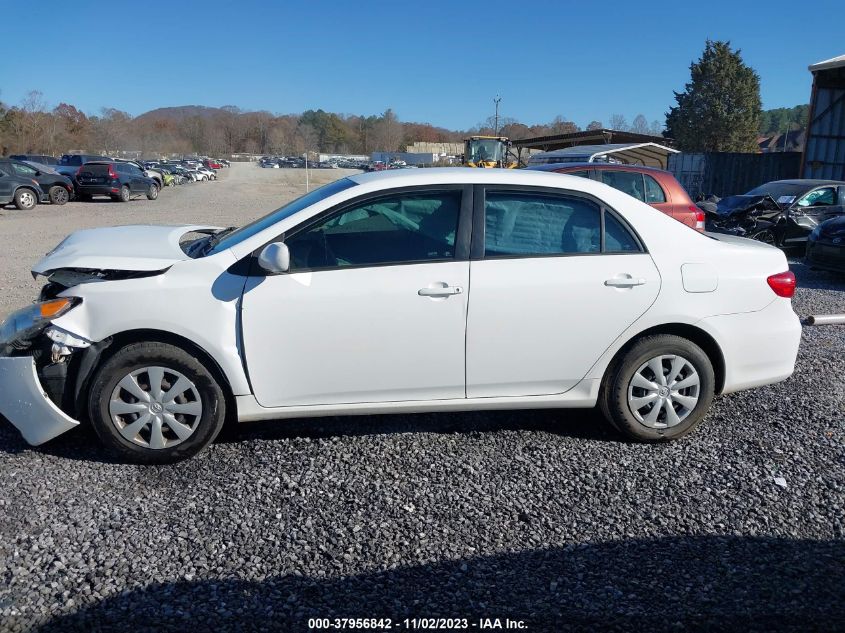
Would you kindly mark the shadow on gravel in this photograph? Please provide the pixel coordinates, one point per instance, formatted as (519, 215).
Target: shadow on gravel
(698, 583)
(82, 444)
(578, 423)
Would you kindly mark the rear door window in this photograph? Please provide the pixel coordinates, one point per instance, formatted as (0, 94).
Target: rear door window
(523, 223)
(629, 182)
(617, 238)
(654, 193)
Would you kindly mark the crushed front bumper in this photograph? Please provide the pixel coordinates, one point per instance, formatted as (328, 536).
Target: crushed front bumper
(24, 403)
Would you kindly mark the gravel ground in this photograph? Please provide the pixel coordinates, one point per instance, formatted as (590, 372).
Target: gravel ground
(540, 516)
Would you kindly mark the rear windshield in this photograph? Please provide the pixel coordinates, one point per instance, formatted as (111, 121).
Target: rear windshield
(96, 168)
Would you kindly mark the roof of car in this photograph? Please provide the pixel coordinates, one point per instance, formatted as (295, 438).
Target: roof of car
(591, 165)
(806, 181)
(458, 175)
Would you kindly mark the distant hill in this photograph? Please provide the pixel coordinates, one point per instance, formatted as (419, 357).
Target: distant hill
(177, 113)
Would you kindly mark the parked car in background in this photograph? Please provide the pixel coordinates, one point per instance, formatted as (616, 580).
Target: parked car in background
(208, 173)
(581, 295)
(212, 163)
(119, 181)
(41, 159)
(782, 213)
(22, 191)
(69, 164)
(655, 187)
(826, 245)
(58, 189)
(153, 173)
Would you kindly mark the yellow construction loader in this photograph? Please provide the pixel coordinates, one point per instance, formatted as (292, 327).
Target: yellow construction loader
(488, 151)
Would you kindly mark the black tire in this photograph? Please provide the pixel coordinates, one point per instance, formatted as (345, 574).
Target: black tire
(25, 199)
(152, 192)
(613, 399)
(125, 194)
(59, 195)
(137, 356)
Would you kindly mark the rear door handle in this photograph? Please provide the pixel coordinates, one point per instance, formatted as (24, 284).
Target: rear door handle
(440, 291)
(624, 282)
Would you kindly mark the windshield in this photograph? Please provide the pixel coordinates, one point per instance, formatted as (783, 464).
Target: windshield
(485, 150)
(782, 192)
(248, 230)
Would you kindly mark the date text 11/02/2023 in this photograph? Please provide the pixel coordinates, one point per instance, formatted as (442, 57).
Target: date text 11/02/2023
(428, 624)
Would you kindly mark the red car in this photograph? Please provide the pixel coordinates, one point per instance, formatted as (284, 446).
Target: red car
(212, 164)
(655, 187)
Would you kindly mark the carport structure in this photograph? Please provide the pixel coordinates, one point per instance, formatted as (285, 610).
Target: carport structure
(604, 138)
(646, 154)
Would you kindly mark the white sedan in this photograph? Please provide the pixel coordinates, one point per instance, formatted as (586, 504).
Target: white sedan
(400, 291)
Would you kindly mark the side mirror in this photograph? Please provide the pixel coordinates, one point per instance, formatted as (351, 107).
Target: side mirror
(275, 258)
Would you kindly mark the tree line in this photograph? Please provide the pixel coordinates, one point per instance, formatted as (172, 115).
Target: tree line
(32, 127)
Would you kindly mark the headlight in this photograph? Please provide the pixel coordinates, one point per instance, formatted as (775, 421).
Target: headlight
(26, 322)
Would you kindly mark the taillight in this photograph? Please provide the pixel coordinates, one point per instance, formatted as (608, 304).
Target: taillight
(783, 284)
(112, 173)
(699, 217)
(79, 171)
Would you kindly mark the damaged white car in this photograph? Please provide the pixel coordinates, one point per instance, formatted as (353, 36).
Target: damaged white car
(405, 291)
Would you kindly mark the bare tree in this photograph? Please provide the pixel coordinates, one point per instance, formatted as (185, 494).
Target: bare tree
(618, 122)
(640, 124)
(387, 132)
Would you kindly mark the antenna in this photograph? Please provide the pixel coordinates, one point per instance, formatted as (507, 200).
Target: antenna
(496, 100)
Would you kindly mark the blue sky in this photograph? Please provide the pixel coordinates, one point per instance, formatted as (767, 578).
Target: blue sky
(435, 61)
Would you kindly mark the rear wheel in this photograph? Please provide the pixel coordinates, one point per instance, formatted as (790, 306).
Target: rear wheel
(659, 390)
(125, 194)
(59, 195)
(25, 199)
(766, 236)
(154, 403)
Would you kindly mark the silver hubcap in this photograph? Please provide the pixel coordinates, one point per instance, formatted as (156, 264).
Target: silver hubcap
(27, 199)
(155, 407)
(664, 391)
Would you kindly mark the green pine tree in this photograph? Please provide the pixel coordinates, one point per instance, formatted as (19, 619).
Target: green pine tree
(719, 109)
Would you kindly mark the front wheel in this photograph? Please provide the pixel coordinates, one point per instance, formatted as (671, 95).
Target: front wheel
(766, 236)
(59, 195)
(25, 199)
(659, 390)
(152, 192)
(154, 403)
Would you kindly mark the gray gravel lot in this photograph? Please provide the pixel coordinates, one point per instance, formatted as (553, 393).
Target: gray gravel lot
(542, 516)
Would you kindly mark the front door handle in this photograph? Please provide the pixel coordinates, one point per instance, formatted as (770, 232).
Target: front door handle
(440, 290)
(624, 282)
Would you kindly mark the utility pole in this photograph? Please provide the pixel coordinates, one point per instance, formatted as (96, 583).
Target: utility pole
(307, 188)
(496, 100)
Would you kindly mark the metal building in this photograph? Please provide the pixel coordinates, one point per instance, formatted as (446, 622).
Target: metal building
(824, 152)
